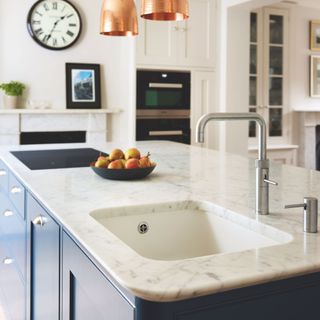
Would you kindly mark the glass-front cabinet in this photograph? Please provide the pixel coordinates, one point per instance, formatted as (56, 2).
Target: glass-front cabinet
(268, 73)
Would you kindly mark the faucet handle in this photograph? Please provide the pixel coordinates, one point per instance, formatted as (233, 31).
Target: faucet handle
(270, 182)
(310, 213)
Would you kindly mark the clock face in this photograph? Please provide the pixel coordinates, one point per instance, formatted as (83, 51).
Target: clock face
(54, 24)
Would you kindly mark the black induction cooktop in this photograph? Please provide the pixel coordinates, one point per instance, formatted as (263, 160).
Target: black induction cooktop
(57, 159)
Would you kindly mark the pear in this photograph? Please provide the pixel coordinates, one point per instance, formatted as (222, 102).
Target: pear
(132, 153)
(116, 164)
(116, 154)
(132, 164)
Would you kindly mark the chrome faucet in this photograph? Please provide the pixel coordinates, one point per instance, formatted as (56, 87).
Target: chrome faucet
(262, 163)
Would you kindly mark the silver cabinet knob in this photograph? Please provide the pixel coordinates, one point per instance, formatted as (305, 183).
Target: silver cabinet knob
(39, 221)
(8, 213)
(7, 261)
(3, 172)
(15, 190)
(310, 213)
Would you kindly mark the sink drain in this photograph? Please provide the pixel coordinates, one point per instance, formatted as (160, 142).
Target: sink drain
(143, 227)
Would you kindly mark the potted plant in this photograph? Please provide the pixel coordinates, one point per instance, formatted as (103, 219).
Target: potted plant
(13, 91)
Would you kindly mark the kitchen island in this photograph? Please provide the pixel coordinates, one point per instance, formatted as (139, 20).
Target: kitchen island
(183, 173)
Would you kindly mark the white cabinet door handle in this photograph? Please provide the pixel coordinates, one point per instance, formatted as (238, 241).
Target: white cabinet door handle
(8, 213)
(15, 190)
(3, 172)
(7, 261)
(39, 221)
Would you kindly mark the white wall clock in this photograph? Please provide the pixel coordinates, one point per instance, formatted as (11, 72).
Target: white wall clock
(54, 24)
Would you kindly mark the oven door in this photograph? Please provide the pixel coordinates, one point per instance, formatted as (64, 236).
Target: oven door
(177, 130)
(163, 90)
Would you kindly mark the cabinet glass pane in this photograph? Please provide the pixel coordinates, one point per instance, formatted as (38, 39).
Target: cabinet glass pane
(276, 29)
(253, 27)
(275, 91)
(253, 59)
(275, 122)
(252, 125)
(253, 91)
(275, 60)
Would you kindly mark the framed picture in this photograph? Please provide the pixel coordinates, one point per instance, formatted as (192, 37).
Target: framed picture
(315, 76)
(83, 86)
(315, 35)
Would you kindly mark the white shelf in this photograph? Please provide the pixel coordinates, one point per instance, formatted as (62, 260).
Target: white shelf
(59, 111)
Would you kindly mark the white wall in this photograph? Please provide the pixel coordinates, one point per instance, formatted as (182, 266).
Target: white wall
(43, 70)
(299, 57)
(238, 78)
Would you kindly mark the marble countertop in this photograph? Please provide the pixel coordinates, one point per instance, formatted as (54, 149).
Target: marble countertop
(183, 173)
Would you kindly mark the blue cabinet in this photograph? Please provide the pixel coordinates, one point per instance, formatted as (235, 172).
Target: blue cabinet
(12, 245)
(43, 272)
(87, 293)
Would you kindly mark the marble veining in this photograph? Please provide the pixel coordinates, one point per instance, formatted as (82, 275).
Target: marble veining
(183, 173)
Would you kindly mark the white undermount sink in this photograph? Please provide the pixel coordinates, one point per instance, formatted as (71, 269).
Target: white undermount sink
(187, 229)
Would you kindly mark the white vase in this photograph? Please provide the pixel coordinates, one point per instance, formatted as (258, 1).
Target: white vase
(11, 102)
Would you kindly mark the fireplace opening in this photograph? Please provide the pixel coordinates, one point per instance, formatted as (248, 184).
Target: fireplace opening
(52, 137)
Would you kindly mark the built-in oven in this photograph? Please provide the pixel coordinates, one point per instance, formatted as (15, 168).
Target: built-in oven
(163, 105)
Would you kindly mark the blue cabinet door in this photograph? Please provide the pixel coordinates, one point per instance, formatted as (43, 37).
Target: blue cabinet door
(43, 243)
(87, 293)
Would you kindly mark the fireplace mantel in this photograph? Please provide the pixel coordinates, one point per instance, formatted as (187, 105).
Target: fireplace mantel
(92, 121)
(309, 120)
(59, 111)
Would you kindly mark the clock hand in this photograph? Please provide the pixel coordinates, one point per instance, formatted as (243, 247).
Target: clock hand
(54, 26)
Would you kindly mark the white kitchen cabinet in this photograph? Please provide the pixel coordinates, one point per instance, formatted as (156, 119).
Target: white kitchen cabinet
(269, 33)
(203, 101)
(188, 43)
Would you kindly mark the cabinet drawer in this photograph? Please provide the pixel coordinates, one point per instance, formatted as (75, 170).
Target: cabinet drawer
(17, 194)
(12, 286)
(3, 177)
(13, 232)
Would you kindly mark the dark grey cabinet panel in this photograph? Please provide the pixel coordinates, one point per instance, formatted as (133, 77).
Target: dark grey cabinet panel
(43, 243)
(87, 293)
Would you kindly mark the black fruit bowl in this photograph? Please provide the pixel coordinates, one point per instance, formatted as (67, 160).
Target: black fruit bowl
(122, 174)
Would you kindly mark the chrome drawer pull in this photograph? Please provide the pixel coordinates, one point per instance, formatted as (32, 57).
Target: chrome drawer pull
(166, 133)
(166, 85)
(39, 221)
(3, 172)
(7, 261)
(15, 190)
(8, 213)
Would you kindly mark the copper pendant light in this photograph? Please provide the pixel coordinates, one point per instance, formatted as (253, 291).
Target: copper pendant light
(118, 18)
(165, 9)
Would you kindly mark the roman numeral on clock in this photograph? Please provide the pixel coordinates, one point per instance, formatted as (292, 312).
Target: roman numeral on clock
(55, 42)
(70, 15)
(46, 7)
(46, 38)
(69, 33)
(38, 32)
(72, 24)
(54, 5)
